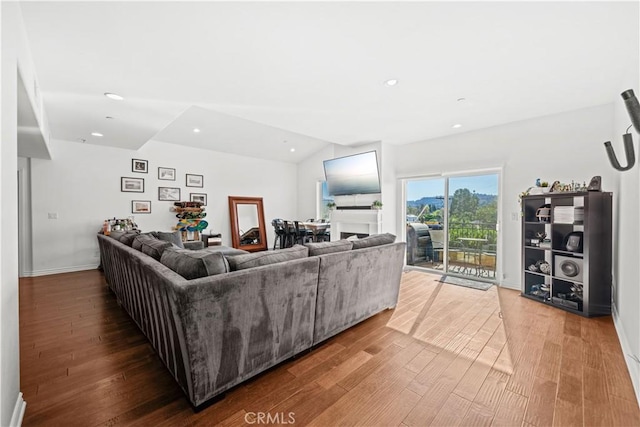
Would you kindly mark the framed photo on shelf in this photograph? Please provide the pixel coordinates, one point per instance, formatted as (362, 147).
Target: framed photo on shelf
(198, 197)
(131, 185)
(195, 180)
(139, 166)
(168, 194)
(167, 174)
(141, 206)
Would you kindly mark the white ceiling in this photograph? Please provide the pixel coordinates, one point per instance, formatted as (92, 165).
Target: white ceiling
(313, 73)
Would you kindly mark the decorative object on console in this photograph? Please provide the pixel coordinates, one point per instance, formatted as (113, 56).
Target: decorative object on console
(168, 194)
(139, 166)
(131, 185)
(166, 174)
(141, 206)
(195, 180)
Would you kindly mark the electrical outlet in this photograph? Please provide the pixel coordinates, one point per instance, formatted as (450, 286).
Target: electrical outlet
(53, 215)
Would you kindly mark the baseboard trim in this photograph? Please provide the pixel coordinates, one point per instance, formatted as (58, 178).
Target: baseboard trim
(627, 352)
(73, 269)
(18, 411)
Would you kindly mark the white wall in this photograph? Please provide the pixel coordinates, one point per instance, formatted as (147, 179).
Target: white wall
(562, 147)
(310, 171)
(626, 292)
(15, 57)
(82, 186)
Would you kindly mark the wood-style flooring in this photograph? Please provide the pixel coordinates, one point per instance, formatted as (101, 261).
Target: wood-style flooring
(446, 356)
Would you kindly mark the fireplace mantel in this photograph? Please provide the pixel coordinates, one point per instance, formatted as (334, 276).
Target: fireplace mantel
(365, 221)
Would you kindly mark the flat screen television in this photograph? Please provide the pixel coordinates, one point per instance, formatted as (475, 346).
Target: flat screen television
(355, 174)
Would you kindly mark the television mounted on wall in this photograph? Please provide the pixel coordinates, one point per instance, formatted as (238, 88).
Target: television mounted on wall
(355, 174)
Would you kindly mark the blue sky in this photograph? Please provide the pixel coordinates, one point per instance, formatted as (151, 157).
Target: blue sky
(482, 184)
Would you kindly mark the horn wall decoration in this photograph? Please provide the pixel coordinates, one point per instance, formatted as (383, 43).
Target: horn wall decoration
(633, 108)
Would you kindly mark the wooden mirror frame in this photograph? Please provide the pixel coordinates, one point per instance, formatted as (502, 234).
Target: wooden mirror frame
(234, 201)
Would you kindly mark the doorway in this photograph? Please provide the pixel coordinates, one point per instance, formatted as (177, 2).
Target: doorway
(452, 224)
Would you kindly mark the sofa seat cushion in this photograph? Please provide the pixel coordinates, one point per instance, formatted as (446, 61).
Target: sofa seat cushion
(150, 246)
(194, 264)
(257, 259)
(226, 250)
(374, 240)
(173, 237)
(322, 248)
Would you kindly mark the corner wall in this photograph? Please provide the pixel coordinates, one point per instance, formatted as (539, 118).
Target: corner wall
(562, 147)
(81, 186)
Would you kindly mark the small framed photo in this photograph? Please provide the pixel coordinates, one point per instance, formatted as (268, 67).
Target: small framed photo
(141, 206)
(167, 174)
(139, 166)
(195, 180)
(131, 185)
(198, 197)
(168, 194)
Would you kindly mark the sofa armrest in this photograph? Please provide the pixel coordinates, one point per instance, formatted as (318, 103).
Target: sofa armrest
(194, 246)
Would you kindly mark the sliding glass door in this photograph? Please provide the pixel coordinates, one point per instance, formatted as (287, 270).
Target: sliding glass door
(451, 224)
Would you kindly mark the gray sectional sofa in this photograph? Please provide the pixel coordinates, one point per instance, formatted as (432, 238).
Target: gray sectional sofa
(248, 312)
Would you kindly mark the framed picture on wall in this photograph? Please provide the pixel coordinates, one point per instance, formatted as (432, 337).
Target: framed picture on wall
(168, 194)
(141, 206)
(195, 180)
(198, 197)
(132, 185)
(167, 174)
(139, 166)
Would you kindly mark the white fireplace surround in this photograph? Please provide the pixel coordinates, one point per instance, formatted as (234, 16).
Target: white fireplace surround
(361, 221)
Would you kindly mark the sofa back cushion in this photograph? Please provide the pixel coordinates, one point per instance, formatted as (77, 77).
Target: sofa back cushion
(194, 264)
(322, 248)
(257, 259)
(125, 237)
(173, 237)
(150, 246)
(374, 240)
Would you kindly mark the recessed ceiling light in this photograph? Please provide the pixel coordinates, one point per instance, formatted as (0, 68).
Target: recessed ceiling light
(391, 82)
(113, 96)
(96, 134)
(292, 149)
(196, 130)
(457, 126)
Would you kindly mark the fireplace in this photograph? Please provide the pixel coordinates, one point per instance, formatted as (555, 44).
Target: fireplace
(359, 222)
(344, 235)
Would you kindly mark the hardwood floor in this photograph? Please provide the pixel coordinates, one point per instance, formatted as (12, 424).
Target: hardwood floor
(445, 356)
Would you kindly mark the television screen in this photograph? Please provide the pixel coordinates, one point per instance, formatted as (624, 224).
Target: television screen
(356, 174)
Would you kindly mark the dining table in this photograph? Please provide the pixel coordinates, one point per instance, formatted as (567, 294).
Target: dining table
(318, 228)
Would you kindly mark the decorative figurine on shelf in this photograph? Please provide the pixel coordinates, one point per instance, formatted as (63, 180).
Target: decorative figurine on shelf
(595, 184)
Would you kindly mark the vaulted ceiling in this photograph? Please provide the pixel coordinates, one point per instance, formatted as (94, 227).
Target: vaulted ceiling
(263, 78)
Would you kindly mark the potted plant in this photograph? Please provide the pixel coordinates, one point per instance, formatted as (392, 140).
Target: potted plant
(377, 204)
(331, 205)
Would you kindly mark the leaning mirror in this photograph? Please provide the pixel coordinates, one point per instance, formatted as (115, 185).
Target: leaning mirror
(247, 223)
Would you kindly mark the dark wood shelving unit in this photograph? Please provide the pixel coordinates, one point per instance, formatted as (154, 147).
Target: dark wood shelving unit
(578, 281)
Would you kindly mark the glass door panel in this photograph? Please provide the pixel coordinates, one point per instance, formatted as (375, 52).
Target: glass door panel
(472, 225)
(425, 212)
